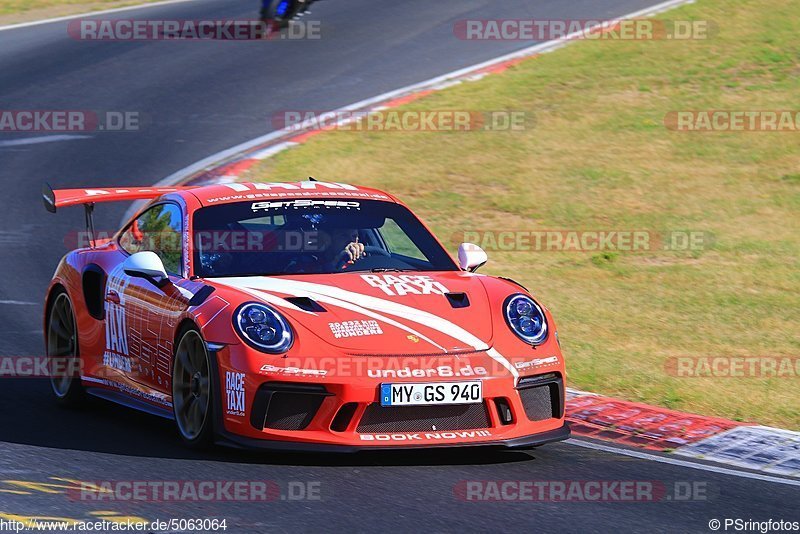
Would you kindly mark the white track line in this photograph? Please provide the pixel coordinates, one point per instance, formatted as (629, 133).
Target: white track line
(440, 81)
(205, 163)
(43, 139)
(682, 463)
(90, 14)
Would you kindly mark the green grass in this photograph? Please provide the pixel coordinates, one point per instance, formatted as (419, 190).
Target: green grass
(600, 158)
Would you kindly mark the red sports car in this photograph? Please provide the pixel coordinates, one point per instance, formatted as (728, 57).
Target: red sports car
(309, 315)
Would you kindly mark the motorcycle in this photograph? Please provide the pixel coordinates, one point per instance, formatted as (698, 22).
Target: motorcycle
(280, 12)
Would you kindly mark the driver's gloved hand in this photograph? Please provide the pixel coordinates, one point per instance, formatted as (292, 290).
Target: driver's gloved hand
(355, 251)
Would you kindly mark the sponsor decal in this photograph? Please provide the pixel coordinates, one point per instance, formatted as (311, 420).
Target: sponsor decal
(117, 351)
(420, 436)
(442, 371)
(115, 361)
(299, 193)
(387, 366)
(149, 395)
(234, 391)
(300, 186)
(187, 238)
(537, 362)
(304, 203)
(355, 329)
(111, 191)
(405, 284)
(294, 371)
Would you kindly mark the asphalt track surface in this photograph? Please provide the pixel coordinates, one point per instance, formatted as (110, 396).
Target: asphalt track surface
(202, 97)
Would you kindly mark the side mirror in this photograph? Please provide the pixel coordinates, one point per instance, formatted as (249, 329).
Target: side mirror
(146, 265)
(471, 257)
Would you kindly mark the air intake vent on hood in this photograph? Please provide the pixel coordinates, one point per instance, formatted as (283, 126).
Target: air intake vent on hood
(458, 300)
(307, 304)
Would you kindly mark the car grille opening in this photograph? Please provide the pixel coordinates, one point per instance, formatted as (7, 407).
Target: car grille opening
(344, 416)
(291, 411)
(380, 419)
(281, 406)
(504, 411)
(542, 396)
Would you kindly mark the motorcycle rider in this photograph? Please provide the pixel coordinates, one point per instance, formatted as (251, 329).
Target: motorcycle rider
(282, 7)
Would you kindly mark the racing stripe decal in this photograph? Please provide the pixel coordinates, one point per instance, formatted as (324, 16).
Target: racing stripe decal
(369, 313)
(271, 299)
(366, 301)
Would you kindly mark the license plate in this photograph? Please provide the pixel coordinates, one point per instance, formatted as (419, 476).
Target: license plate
(405, 394)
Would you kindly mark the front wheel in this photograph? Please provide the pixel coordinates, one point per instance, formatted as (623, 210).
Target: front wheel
(193, 391)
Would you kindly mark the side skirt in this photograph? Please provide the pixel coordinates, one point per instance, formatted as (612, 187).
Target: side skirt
(130, 402)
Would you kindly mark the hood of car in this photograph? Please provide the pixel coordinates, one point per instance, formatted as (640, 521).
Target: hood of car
(398, 313)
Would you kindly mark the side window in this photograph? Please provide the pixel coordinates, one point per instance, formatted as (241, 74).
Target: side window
(158, 230)
(399, 242)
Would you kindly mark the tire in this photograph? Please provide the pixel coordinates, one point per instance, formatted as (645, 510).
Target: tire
(63, 351)
(193, 399)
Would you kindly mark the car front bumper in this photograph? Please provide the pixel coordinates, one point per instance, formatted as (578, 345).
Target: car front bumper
(305, 410)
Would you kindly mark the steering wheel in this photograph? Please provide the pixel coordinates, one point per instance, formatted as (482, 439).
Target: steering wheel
(377, 250)
(343, 256)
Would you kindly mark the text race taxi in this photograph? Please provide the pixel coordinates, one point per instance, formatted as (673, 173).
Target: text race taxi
(309, 315)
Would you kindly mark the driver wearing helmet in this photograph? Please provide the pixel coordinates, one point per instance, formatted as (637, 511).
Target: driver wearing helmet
(334, 247)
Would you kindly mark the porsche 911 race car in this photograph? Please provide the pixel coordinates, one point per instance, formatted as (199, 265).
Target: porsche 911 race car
(309, 315)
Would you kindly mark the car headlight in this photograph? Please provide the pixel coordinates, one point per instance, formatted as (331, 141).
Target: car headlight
(263, 328)
(526, 319)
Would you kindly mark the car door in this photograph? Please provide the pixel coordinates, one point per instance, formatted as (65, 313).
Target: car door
(143, 330)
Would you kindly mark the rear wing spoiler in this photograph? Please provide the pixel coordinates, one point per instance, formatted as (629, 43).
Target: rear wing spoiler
(54, 199)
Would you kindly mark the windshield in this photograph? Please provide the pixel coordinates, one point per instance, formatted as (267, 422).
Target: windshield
(308, 236)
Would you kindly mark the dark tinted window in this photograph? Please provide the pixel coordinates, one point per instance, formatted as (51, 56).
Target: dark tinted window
(310, 236)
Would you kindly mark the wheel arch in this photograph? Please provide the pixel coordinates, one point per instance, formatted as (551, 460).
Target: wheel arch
(52, 292)
(184, 325)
